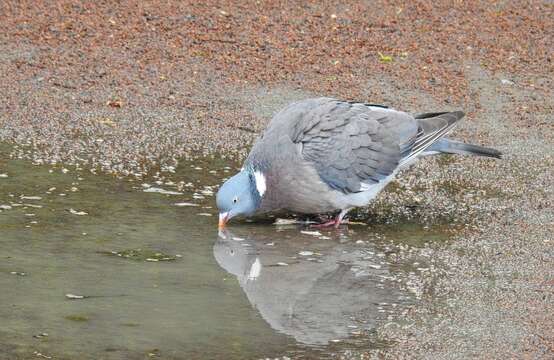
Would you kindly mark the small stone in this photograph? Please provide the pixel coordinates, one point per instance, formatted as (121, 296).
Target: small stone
(74, 297)
(161, 191)
(313, 233)
(30, 197)
(185, 204)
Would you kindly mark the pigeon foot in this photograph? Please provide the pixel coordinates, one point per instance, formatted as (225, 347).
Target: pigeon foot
(336, 222)
(326, 224)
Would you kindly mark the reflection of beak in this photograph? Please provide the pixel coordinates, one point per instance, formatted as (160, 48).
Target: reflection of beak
(223, 218)
(223, 233)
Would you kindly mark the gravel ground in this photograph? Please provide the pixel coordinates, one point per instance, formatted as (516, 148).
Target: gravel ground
(130, 88)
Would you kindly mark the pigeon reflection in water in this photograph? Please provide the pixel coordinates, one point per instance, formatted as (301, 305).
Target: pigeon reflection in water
(314, 298)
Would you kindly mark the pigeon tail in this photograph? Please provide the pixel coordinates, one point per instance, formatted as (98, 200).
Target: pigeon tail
(432, 127)
(447, 146)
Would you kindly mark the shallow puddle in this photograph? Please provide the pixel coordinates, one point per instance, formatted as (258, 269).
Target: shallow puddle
(94, 267)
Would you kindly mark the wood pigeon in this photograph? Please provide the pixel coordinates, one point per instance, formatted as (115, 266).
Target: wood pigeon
(323, 155)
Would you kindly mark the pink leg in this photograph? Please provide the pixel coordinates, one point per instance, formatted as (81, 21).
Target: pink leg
(335, 222)
(324, 225)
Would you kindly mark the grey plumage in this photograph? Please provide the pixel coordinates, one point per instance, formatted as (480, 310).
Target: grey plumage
(323, 154)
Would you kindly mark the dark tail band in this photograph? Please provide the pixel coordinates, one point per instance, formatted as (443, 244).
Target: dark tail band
(448, 146)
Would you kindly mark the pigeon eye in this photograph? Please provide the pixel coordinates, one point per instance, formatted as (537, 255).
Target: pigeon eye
(235, 200)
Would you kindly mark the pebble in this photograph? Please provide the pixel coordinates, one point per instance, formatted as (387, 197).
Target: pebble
(185, 204)
(18, 273)
(39, 354)
(23, 197)
(74, 297)
(161, 191)
(285, 222)
(313, 233)
(33, 206)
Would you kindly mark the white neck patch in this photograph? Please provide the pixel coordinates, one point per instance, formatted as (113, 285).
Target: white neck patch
(260, 182)
(255, 270)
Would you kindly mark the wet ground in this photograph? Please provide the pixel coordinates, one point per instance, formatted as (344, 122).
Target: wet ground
(95, 267)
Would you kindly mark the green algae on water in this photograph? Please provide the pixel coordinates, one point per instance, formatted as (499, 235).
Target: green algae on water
(77, 318)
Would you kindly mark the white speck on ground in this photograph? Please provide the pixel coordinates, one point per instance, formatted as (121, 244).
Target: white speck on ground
(185, 204)
(153, 189)
(312, 233)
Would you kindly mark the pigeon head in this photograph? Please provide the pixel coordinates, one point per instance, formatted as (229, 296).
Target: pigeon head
(240, 195)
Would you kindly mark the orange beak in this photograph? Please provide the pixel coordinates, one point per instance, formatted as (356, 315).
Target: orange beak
(223, 218)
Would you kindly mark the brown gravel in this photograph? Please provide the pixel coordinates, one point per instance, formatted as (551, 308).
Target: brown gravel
(136, 71)
(320, 46)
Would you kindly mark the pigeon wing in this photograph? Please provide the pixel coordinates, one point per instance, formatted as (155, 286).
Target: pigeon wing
(353, 145)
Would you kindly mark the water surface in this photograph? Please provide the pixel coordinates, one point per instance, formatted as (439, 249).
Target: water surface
(159, 280)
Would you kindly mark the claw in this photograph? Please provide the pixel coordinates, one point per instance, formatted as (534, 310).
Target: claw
(336, 222)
